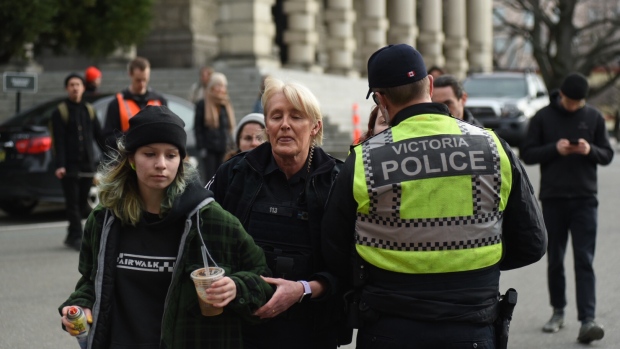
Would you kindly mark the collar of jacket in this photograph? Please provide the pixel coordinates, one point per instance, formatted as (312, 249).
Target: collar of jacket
(259, 158)
(149, 95)
(418, 109)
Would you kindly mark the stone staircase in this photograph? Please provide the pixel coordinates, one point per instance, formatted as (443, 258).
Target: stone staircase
(336, 94)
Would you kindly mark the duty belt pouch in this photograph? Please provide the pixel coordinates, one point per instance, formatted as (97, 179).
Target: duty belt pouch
(352, 310)
(284, 265)
(288, 262)
(368, 314)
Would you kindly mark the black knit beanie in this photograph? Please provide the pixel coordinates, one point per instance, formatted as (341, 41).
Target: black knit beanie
(575, 86)
(74, 75)
(156, 124)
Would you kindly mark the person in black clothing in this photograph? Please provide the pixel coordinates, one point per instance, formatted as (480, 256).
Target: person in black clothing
(449, 91)
(74, 128)
(130, 101)
(278, 191)
(214, 122)
(421, 232)
(568, 138)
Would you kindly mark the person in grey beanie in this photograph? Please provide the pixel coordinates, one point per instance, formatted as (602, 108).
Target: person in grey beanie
(568, 138)
(249, 134)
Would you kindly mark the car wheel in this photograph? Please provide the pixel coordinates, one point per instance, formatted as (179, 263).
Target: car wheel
(19, 207)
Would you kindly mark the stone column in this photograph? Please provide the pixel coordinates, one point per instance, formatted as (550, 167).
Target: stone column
(374, 26)
(170, 40)
(430, 41)
(341, 44)
(403, 27)
(246, 34)
(301, 35)
(480, 35)
(455, 46)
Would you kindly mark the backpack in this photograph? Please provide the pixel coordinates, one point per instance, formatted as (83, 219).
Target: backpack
(64, 111)
(64, 116)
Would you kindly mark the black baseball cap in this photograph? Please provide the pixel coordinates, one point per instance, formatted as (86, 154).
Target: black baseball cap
(395, 65)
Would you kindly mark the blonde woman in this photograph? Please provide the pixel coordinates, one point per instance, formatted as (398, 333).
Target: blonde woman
(214, 122)
(278, 191)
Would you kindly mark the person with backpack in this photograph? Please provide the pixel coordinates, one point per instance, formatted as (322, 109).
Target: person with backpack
(74, 127)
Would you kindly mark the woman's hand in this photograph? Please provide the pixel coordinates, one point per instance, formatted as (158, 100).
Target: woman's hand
(68, 325)
(287, 293)
(221, 292)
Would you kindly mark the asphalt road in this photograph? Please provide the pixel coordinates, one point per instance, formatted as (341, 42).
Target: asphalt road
(37, 273)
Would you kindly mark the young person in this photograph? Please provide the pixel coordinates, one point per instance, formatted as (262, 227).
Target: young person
(143, 241)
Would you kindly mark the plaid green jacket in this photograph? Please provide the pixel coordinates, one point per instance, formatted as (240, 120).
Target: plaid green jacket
(183, 326)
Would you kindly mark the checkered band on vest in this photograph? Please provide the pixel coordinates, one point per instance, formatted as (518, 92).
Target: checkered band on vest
(429, 246)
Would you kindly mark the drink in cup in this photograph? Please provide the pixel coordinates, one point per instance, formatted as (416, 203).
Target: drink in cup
(203, 281)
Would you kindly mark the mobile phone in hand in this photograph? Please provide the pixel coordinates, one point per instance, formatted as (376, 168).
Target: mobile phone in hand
(573, 141)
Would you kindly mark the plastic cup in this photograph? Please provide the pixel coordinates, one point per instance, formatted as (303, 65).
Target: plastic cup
(203, 281)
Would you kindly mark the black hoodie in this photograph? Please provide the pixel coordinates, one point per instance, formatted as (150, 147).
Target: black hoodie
(147, 254)
(572, 176)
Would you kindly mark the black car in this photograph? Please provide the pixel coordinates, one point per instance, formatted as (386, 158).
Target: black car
(26, 161)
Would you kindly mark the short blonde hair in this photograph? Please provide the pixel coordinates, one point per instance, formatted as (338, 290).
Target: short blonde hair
(299, 96)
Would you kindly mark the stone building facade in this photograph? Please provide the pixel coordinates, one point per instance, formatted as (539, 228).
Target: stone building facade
(329, 36)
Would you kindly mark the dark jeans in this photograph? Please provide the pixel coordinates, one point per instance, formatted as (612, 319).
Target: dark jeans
(401, 333)
(579, 216)
(76, 196)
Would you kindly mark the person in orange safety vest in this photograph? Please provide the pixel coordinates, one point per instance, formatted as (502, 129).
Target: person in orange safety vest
(130, 101)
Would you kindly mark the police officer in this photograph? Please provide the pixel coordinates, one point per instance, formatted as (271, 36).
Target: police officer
(423, 217)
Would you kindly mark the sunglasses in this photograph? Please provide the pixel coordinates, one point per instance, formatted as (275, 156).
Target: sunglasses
(374, 98)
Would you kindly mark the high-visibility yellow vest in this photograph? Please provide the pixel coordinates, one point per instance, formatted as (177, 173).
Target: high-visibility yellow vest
(430, 193)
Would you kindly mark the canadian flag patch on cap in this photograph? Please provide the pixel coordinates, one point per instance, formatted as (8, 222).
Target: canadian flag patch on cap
(411, 74)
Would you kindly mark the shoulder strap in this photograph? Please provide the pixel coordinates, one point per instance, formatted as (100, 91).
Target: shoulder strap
(64, 111)
(91, 111)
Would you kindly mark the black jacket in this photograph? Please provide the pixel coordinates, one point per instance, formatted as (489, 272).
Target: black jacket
(74, 138)
(572, 176)
(465, 296)
(112, 126)
(213, 140)
(236, 185)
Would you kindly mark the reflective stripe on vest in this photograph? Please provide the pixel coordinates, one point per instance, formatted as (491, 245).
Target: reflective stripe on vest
(431, 193)
(128, 108)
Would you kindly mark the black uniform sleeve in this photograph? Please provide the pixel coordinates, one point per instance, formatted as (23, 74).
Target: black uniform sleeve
(59, 135)
(112, 124)
(220, 181)
(533, 150)
(199, 128)
(338, 225)
(523, 229)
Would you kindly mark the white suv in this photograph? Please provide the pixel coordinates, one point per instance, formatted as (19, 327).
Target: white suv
(505, 101)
